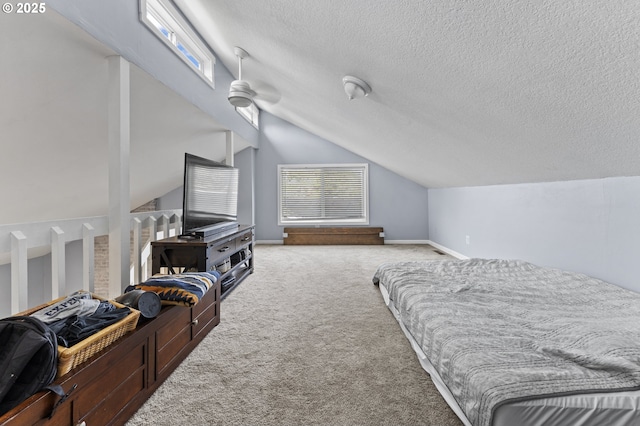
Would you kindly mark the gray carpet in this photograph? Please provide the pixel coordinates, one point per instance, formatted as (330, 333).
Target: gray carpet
(305, 340)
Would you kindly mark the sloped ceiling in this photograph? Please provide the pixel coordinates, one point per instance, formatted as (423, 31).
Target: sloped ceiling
(53, 125)
(464, 92)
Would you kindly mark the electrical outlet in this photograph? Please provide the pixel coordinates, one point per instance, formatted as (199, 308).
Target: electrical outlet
(468, 239)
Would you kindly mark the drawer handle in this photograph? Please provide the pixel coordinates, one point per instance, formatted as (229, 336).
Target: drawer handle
(246, 238)
(223, 249)
(194, 322)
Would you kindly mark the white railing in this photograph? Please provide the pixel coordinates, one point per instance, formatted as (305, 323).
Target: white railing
(24, 241)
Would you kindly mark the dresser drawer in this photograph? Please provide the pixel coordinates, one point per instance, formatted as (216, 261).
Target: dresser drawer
(172, 337)
(208, 318)
(244, 239)
(220, 251)
(99, 400)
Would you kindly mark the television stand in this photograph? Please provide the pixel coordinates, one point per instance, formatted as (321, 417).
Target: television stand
(230, 252)
(210, 231)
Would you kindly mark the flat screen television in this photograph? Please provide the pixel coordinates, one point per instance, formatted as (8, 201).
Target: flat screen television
(210, 197)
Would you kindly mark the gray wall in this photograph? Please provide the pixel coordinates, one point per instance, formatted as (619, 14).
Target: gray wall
(588, 226)
(395, 203)
(171, 200)
(39, 277)
(245, 162)
(38, 283)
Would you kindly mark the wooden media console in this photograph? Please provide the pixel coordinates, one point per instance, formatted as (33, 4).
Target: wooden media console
(115, 382)
(229, 252)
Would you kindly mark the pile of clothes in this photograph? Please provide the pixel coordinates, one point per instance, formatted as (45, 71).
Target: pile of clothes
(79, 316)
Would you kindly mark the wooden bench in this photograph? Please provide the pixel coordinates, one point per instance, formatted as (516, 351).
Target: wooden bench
(334, 236)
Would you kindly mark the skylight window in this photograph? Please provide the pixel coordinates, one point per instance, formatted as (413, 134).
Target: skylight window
(163, 19)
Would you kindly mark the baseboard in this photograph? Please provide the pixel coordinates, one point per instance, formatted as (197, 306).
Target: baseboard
(448, 250)
(407, 242)
(386, 242)
(428, 242)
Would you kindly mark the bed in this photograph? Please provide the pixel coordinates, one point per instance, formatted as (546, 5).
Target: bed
(510, 343)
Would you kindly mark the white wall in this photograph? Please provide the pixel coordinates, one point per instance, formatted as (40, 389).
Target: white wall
(116, 24)
(588, 226)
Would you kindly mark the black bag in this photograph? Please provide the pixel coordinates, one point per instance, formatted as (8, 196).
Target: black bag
(28, 360)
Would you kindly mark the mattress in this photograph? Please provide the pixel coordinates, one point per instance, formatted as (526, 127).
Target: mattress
(591, 408)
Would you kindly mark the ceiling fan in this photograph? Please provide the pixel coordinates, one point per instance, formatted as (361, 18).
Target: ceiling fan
(240, 92)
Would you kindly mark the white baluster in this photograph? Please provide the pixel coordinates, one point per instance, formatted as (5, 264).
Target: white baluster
(137, 250)
(57, 262)
(165, 226)
(19, 282)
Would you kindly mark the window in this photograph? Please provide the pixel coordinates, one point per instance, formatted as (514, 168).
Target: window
(331, 194)
(250, 113)
(162, 18)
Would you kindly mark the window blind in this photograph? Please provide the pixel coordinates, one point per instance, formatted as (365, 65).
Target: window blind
(323, 193)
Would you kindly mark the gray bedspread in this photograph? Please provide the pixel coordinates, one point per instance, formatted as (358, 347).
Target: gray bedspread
(498, 330)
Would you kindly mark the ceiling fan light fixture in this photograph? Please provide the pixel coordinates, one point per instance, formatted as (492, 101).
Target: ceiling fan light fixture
(240, 94)
(355, 87)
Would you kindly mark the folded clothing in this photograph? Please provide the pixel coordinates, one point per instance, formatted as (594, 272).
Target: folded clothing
(184, 289)
(80, 303)
(75, 328)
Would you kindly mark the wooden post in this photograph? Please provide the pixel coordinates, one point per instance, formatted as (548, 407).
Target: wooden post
(19, 282)
(58, 284)
(153, 228)
(176, 224)
(230, 154)
(119, 192)
(137, 250)
(164, 226)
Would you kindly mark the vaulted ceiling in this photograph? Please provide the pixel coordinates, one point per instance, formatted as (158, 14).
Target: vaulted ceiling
(464, 92)
(53, 124)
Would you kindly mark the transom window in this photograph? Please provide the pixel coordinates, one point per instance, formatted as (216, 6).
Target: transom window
(251, 114)
(162, 18)
(332, 194)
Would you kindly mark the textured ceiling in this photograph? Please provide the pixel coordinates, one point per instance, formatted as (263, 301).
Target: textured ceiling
(464, 92)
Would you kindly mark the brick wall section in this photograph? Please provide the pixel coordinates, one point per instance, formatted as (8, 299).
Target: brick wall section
(101, 266)
(101, 255)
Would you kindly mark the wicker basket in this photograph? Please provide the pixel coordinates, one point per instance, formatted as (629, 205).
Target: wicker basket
(69, 358)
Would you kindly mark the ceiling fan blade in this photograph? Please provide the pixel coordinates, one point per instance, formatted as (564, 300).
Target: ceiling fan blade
(266, 92)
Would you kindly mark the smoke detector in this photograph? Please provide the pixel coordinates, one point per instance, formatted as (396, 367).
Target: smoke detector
(355, 88)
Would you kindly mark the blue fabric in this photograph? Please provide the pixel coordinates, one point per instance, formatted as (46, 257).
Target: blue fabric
(185, 289)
